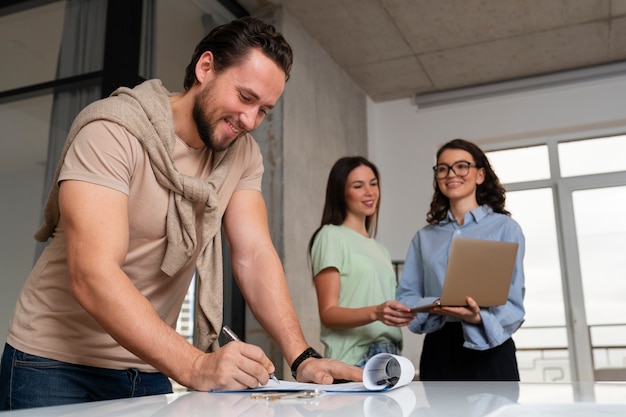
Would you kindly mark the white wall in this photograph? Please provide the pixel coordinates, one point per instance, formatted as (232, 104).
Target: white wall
(403, 140)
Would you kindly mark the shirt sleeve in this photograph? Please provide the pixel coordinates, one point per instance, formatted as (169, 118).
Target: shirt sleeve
(411, 290)
(499, 323)
(326, 251)
(252, 174)
(102, 153)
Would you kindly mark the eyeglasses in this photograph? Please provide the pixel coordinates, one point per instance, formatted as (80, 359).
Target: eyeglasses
(460, 169)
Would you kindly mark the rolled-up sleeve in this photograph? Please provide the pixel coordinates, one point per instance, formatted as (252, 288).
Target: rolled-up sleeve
(499, 323)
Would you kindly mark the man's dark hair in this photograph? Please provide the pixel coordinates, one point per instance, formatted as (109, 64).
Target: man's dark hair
(230, 44)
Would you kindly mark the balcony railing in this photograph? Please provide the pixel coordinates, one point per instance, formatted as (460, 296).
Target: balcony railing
(543, 355)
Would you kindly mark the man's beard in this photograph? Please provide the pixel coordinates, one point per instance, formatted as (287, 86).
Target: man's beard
(206, 129)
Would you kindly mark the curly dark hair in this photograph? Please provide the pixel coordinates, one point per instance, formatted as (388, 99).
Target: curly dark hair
(490, 192)
(230, 44)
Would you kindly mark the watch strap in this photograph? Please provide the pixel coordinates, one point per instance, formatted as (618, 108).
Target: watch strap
(308, 353)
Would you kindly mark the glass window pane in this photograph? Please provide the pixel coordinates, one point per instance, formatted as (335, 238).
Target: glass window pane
(534, 211)
(522, 164)
(25, 127)
(542, 340)
(592, 156)
(601, 246)
(601, 243)
(34, 53)
(26, 123)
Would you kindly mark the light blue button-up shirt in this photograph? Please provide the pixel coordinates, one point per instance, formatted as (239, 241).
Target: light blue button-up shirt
(425, 266)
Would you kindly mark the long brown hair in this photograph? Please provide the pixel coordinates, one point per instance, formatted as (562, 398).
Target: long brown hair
(335, 207)
(490, 192)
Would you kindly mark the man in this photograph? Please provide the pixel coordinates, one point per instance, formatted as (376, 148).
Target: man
(146, 180)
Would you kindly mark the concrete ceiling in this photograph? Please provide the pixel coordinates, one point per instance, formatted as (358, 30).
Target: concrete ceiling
(398, 48)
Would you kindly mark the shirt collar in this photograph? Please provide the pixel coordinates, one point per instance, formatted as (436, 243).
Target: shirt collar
(475, 215)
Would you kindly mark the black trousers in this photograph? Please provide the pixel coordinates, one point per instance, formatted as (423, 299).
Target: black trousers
(445, 359)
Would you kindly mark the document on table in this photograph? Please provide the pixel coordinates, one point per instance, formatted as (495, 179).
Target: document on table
(383, 372)
(309, 386)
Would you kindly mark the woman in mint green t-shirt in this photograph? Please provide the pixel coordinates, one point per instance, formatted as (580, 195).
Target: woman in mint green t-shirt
(353, 275)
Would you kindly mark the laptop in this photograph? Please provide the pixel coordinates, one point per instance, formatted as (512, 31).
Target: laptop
(481, 269)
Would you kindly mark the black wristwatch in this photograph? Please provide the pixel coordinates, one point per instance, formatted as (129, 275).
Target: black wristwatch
(308, 353)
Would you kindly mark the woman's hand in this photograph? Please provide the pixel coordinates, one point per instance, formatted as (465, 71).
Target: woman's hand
(393, 313)
(469, 313)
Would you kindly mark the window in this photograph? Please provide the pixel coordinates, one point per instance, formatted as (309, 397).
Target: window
(31, 56)
(516, 160)
(593, 156)
(569, 198)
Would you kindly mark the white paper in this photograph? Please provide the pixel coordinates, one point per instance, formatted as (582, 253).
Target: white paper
(386, 371)
(309, 386)
(382, 372)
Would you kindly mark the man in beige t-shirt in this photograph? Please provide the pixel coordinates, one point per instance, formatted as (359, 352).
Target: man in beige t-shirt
(97, 314)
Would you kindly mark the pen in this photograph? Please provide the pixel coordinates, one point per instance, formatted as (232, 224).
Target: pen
(233, 336)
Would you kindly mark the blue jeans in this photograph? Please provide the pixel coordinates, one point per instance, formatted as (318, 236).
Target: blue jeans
(376, 348)
(28, 381)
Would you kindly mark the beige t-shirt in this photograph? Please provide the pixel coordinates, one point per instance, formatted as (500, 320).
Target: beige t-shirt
(48, 321)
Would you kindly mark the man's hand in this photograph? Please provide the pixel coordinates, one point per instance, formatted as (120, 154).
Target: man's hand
(237, 365)
(326, 371)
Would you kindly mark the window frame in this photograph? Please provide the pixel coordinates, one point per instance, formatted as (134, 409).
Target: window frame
(578, 334)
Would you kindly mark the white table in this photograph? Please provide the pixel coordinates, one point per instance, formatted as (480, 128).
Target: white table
(423, 399)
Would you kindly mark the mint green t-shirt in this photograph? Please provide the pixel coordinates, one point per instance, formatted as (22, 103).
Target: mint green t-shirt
(367, 278)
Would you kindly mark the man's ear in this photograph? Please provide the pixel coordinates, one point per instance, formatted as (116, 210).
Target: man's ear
(204, 66)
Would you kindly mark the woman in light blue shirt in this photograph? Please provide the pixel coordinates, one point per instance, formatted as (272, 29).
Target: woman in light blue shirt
(463, 343)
